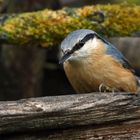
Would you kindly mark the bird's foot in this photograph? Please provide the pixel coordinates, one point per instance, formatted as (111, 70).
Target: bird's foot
(105, 88)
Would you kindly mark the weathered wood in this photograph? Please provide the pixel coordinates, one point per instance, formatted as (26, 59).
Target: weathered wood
(73, 111)
(121, 131)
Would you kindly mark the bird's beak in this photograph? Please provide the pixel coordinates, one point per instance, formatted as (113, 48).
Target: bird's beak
(64, 57)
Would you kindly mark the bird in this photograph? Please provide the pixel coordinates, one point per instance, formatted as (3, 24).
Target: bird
(93, 64)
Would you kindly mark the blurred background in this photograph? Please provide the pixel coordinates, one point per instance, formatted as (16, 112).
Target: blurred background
(33, 71)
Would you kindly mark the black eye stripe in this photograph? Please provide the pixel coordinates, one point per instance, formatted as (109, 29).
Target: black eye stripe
(77, 46)
(81, 43)
(87, 37)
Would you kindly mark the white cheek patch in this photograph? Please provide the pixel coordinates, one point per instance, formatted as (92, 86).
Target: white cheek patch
(89, 46)
(94, 42)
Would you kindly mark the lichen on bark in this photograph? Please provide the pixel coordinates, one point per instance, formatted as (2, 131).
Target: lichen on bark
(49, 27)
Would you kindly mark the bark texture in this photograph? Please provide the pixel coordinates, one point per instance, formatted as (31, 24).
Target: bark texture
(84, 116)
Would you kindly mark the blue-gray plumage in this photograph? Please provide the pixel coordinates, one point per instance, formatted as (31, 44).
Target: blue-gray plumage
(74, 37)
(114, 52)
(91, 62)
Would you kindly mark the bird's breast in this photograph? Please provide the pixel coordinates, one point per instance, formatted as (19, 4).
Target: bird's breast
(82, 78)
(89, 75)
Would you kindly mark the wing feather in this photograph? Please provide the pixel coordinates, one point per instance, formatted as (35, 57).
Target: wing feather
(114, 52)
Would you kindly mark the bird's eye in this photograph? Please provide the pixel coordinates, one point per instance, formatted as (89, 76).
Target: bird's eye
(79, 45)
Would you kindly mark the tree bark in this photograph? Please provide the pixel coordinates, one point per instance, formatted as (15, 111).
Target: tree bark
(24, 63)
(105, 132)
(79, 116)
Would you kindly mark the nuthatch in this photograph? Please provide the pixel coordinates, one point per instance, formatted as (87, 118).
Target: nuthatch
(92, 63)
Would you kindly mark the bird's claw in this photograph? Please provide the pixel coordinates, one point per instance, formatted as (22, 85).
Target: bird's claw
(105, 88)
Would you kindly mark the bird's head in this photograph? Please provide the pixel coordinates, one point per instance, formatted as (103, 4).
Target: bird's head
(79, 44)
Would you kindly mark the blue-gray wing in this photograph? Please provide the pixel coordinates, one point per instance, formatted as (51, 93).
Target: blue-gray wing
(114, 52)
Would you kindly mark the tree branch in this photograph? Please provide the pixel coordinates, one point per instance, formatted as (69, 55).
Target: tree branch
(70, 111)
(49, 27)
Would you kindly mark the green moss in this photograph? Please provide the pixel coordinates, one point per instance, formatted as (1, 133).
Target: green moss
(50, 27)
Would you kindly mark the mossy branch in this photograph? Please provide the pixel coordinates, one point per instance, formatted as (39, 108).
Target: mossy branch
(49, 27)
